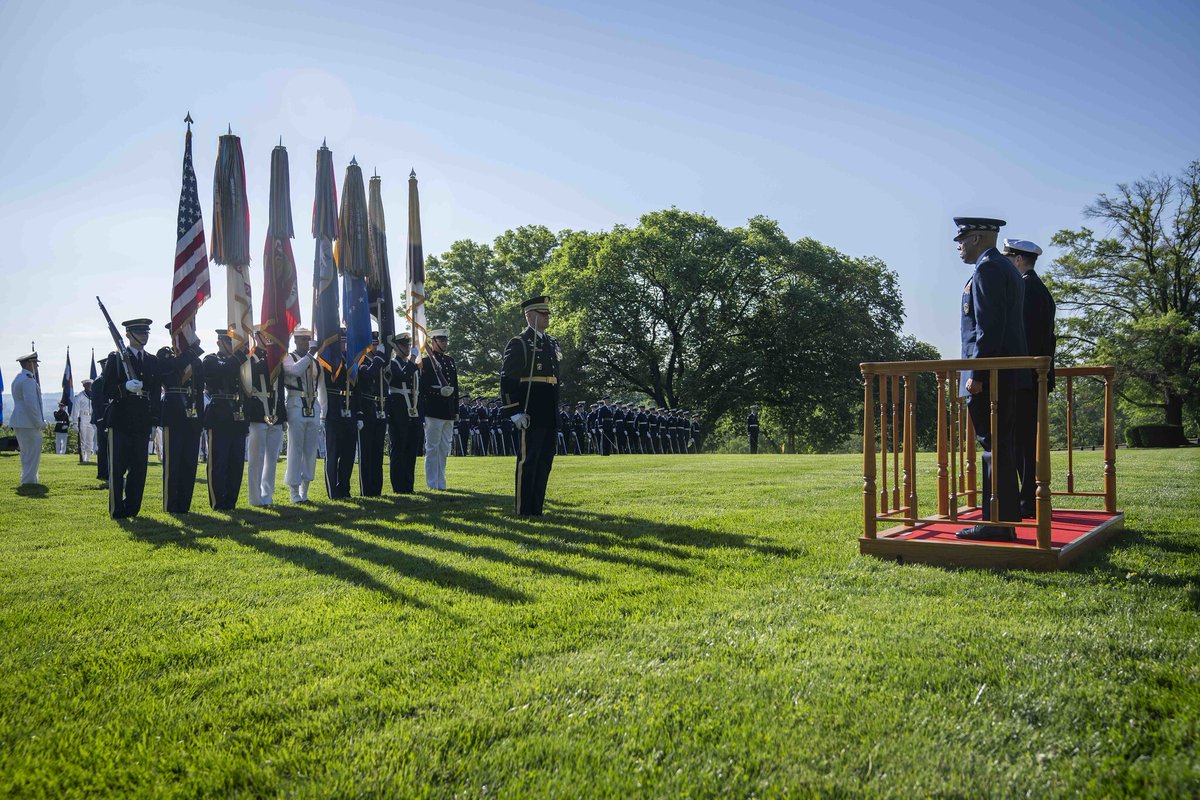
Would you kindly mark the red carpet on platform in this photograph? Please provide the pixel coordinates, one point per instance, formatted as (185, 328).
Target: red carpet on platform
(1066, 526)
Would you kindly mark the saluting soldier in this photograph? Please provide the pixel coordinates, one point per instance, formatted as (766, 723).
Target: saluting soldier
(370, 398)
(225, 422)
(529, 385)
(301, 373)
(1039, 338)
(134, 392)
(439, 404)
(183, 406)
(992, 326)
(266, 414)
(342, 422)
(404, 419)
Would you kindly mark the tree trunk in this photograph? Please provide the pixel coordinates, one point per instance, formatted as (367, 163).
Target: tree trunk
(791, 440)
(1174, 408)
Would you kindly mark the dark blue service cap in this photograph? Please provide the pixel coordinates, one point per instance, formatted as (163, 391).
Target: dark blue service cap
(967, 225)
(139, 324)
(539, 303)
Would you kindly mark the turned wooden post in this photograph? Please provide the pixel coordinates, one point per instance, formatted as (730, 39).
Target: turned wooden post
(955, 445)
(910, 443)
(1042, 468)
(972, 476)
(868, 456)
(994, 426)
(883, 444)
(895, 405)
(1110, 446)
(1070, 435)
(943, 438)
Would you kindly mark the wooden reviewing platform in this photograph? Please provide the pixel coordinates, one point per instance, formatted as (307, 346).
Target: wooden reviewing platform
(1057, 536)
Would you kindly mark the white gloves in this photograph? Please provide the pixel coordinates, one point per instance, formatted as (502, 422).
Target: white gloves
(446, 391)
(413, 353)
(133, 385)
(360, 424)
(521, 421)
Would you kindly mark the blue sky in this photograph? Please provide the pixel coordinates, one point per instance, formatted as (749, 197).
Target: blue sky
(865, 125)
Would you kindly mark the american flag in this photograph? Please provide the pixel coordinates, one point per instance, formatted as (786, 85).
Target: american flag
(190, 287)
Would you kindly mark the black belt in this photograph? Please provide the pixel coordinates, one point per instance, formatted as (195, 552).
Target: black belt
(233, 397)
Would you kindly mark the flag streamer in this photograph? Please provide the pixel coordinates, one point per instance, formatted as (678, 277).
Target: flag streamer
(354, 263)
(231, 235)
(415, 307)
(326, 320)
(379, 284)
(281, 300)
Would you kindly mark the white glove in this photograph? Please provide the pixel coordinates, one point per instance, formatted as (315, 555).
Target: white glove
(413, 353)
(133, 385)
(521, 421)
(446, 391)
(360, 424)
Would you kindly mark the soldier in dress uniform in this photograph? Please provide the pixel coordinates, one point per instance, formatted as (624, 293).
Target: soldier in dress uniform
(993, 303)
(99, 409)
(608, 431)
(82, 415)
(462, 427)
(62, 428)
(529, 386)
(369, 395)
(1039, 338)
(301, 374)
(225, 422)
(403, 417)
(183, 406)
(439, 404)
(752, 429)
(342, 422)
(265, 408)
(695, 424)
(580, 428)
(134, 392)
(28, 418)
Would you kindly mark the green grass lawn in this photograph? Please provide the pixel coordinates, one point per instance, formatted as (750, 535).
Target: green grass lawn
(689, 626)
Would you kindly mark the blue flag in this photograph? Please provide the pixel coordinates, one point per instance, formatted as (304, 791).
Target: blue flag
(326, 321)
(353, 255)
(68, 385)
(93, 373)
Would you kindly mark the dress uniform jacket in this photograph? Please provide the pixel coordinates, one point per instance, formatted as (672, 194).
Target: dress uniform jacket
(130, 418)
(99, 412)
(341, 432)
(370, 397)
(438, 370)
(182, 409)
(1039, 336)
(529, 385)
(404, 424)
(1039, 321)
(225, 421)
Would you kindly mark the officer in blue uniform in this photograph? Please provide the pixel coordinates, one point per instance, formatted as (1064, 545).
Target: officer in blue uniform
(183, 404)
(993, 311)
(405, 429)
(369, 397)
(225, 421)
(1039, 336)
(529, 385)
(342, 423)
(134, 397)
(99, 409)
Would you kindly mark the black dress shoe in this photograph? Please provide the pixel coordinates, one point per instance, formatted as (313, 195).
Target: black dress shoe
(1028, 512)
(987, 533)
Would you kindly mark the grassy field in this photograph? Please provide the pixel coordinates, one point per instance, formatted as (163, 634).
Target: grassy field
(697, 626)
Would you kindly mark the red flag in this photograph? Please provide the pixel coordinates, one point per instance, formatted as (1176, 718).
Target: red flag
(189, 286)
(281, 299)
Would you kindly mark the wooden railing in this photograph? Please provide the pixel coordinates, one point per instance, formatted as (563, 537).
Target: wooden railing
(956, 471)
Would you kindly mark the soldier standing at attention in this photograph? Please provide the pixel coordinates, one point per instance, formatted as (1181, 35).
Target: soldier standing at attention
(1039, 337)
(439, 404)
(342, 422)
(62, 428)
(303, 416)
(404, 422)
(225, 420)
(82, 414)
(265, 408)
(134, 393)
(992, 326)
(182, 408)
(752, 429)
(529, 385)
(99, 409)
(28, 419)
(370, 396)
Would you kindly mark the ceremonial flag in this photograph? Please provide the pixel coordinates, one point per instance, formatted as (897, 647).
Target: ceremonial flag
(281, 301)
(353, 255)
(231, 235)
(415, 308)
(68, 385)
(326, 321)
(189, 285)
(93, 373)
(379, 282)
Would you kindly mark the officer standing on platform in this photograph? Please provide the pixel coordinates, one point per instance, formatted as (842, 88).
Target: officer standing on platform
(1040, 339)
(370, 397)
(225, 420)
(134, 392)
(752, 429)
(529, 385)
(303, 416)
(403, 419)
(992, 326)
(265, 408)
(182, 410)
(439, 404)
(342, 422)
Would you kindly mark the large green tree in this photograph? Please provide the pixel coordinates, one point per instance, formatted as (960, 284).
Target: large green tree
(1132, 295)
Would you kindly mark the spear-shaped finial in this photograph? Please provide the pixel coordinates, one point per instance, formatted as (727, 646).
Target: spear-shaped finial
(376, 172)
(323, 145)
(230, 130)
(353, 161)
(188, 120)
(281, 141)
(412, 173)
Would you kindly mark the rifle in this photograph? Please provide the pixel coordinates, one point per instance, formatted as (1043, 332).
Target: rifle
(121, 348)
